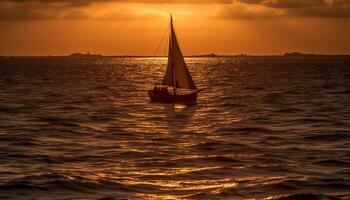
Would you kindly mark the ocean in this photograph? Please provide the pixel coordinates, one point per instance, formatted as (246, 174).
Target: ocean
(263, 128)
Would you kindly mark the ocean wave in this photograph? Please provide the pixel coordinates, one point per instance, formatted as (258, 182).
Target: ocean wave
(54, 181)
(221, 146)
(328, 136)
(332, 162)
(304, 197)
(231, 105)
(289, 110)
(245, 130)
(346, 91)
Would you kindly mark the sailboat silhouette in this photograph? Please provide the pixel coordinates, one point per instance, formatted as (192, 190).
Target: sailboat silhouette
(176, 76)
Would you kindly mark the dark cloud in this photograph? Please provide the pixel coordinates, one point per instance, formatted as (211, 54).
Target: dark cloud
(17, 10)
(287, 8)
(286, 3)
(325, 12)
(12, 14)
(25, 14)
(251, 1)
(295, 3)
(130, 14)
(341, 2)
(117, 15)
(242, 12)
(77, 15)
(87, 2)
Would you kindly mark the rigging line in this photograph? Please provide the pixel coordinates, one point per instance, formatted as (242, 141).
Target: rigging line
(166, 30)
(166, 43)
(164, 52)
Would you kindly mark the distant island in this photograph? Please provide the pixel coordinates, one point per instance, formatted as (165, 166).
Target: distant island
(206, 55)
(216, 55)
(87, 55)
(296, 54)
(289, 54)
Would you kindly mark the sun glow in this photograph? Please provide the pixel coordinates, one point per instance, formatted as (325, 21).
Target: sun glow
(131, 28)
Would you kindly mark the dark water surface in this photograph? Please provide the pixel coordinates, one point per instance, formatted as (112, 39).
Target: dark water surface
(263, 128)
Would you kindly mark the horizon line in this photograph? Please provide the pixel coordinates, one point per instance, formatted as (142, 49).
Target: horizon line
(194, 55)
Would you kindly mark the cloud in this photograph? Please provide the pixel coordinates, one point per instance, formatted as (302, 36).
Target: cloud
(243, 12)
(295, 3)
(13, 14)
(128, 15)
(25, 14)
(77, 15)
(17, 10)
(88, 2)
(286, 3)
(340, 2)
(116, 15)
(272, 9)
(26, 10)
(322, 12)
(23, 10)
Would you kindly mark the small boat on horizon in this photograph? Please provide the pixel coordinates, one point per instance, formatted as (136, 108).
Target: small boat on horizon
(177, 76)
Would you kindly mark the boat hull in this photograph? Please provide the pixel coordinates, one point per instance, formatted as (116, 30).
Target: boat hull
(172, 98)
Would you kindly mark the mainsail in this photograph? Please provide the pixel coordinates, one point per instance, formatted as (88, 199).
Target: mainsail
(177, 74)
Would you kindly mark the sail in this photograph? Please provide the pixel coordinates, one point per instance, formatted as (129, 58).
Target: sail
(177, 74)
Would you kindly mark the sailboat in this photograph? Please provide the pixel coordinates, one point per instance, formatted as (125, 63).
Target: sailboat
(176, 76)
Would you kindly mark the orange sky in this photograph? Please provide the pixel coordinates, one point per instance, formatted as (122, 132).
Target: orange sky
(135, 27)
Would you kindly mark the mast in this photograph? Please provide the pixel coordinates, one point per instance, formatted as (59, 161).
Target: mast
(172, 60)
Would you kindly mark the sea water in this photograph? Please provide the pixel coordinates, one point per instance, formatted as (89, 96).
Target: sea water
(264, 127)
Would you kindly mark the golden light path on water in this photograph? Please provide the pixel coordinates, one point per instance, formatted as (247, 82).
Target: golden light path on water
(183, 124)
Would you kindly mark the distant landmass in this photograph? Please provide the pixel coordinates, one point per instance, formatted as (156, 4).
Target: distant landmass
(291, 54)
(87, 55)
(295, 54)
(206, 55)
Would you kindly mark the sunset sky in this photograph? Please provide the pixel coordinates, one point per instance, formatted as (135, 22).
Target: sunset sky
(135, 27)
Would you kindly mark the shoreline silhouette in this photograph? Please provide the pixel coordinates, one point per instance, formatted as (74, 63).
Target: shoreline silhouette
(211, 55)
